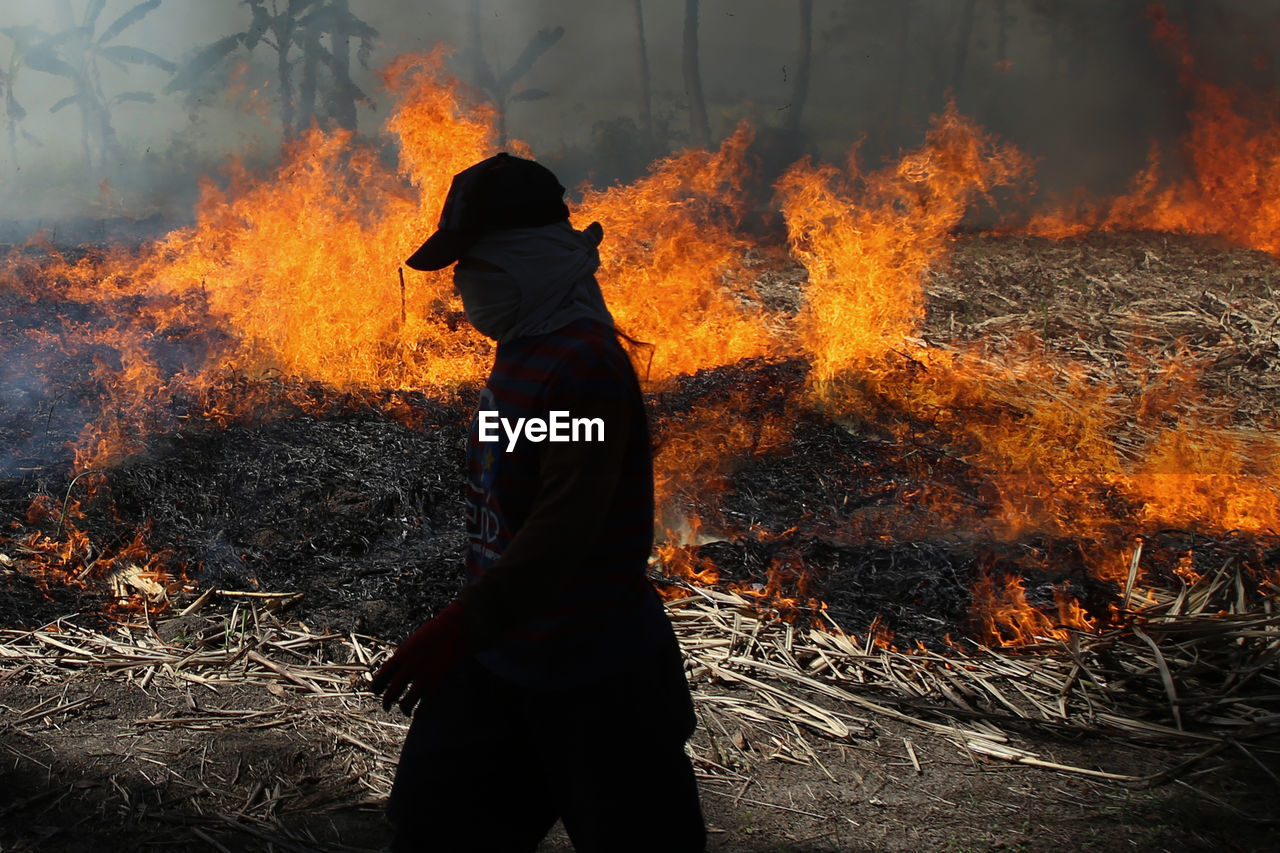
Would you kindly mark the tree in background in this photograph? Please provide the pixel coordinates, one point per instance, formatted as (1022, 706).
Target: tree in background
(334, 20)
(699, 126)
(998, 87)
(904, 61)
(961, 59)
(13, 111)
(623, 147)
(76, 53)
(296, 30)
(642, 72)
(804, 65)
(501, 89)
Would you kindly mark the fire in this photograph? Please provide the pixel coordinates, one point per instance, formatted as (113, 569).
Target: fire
(699, 449)
(672, 264)
(142, 581)
(679, 562)
(287, 293)
(1004, 616)
(302, 265)
(300, 268)
(786, 592)
(867, 240)
(1223, 480)
(1232, 154)
(297, 271)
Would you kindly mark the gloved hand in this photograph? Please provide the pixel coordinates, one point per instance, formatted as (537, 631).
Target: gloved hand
(422, 661)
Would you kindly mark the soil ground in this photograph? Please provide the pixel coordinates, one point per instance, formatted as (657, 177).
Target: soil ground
(110, 775)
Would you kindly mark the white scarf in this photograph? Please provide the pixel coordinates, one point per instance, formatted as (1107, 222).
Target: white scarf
(547, 281)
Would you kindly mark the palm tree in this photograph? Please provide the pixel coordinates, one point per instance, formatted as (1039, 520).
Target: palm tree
(501, 89)
(296, 30)
(75, 53)
(335, 20)
(13, 111)
(278, 27)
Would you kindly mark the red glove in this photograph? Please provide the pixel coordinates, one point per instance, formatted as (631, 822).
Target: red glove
(422, 661)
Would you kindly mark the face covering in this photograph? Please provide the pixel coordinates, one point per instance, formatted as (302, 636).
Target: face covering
(491, 300)
(547, 281)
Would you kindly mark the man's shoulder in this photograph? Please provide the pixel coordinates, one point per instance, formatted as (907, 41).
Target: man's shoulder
(582, 346)
(582, 358)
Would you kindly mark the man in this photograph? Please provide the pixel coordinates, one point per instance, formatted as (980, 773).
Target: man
(552, 687)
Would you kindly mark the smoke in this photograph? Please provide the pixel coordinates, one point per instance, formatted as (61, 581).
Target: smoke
(1078, 84)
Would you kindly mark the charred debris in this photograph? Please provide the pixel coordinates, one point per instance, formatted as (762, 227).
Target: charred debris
(353, 500)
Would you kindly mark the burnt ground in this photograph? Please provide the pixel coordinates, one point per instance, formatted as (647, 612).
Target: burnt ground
(360, 513)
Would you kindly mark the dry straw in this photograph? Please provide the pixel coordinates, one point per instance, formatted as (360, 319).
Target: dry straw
(1193, 668)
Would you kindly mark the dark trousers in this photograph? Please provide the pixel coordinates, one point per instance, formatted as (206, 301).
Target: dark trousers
(490, 766)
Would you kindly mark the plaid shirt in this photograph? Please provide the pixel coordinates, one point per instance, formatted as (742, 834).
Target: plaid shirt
(572, 600)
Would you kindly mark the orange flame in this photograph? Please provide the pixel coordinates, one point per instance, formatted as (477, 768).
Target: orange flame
(786, 591)
(672, 266)
(697, 450)
(143, 581)
(1004, 617)
(1233, 157)
(867, 240)
(297, 275)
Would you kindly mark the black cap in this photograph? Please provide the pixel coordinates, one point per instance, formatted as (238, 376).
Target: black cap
(496, 194)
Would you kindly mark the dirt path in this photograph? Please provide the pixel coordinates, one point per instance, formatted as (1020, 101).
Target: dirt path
(95, 761)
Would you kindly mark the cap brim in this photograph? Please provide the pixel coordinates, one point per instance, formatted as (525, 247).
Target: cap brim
(441, 249)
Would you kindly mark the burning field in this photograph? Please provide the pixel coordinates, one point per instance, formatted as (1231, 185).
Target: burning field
(971, 486)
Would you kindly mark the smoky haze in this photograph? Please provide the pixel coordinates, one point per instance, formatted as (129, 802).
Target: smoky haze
(1079, 84)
